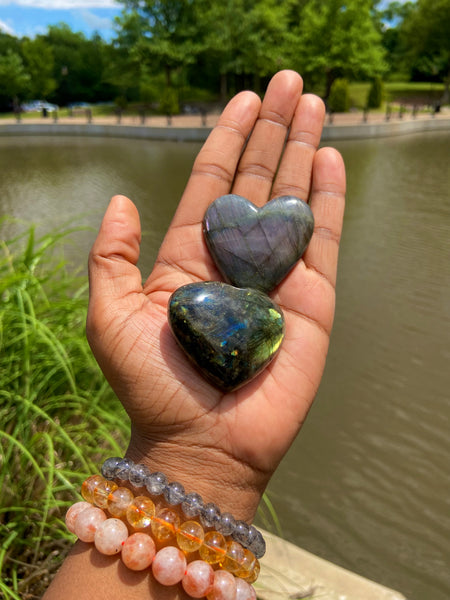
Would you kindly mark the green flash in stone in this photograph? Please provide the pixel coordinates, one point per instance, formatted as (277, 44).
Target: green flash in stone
(230, 334)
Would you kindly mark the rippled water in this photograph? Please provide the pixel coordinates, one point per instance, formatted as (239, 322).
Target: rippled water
(367, 482)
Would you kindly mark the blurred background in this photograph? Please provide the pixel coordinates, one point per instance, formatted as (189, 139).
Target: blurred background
(366, 484)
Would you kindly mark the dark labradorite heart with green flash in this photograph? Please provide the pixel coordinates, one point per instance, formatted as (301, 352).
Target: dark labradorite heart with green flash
(230, 334)
(257, 247)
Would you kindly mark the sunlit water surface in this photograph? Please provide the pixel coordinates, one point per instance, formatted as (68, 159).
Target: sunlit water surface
(366, 484)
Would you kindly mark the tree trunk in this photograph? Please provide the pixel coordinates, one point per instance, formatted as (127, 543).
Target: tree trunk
(223, 88)
(330, 75)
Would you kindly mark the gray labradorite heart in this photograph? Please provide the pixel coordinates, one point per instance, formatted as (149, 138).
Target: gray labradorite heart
(257, 247)
(230, 334)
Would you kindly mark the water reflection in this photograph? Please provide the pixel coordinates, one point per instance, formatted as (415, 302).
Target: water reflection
(366, 484)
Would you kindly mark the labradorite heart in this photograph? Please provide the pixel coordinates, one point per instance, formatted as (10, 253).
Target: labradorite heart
(230, 334)
(257, 247)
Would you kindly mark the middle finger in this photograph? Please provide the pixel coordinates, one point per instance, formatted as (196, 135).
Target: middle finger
(259, 162)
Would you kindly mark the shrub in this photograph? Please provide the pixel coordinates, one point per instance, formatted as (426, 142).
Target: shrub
(169, 103)
(339, 98)
(375, 94)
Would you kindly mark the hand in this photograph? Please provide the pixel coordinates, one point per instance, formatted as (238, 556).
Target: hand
(224, 446)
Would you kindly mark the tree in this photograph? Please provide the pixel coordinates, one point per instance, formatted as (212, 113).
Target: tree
(390, 21)
(13, 77)
(160, 32)
(39, 62)
(426, 39)
(337, 39)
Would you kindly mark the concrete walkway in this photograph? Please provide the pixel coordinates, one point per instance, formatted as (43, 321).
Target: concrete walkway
(195, 128)
(290, 573)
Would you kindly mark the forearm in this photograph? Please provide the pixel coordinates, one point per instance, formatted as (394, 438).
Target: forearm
(87, 569)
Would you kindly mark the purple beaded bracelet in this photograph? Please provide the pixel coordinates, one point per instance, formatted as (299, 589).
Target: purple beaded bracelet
(192, 504)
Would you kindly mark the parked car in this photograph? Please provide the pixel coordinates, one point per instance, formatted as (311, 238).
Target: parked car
(79, 105)
(38, 106)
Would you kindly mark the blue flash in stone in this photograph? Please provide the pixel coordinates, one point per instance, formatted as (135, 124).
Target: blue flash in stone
(230, 334)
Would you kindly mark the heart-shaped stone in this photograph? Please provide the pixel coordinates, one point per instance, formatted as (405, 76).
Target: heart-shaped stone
(230, 334)
(256, 247)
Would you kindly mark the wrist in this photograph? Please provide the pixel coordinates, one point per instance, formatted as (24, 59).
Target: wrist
(219, 478)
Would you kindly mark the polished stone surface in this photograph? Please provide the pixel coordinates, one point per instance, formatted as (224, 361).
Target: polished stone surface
(257, 247)
(230, 334)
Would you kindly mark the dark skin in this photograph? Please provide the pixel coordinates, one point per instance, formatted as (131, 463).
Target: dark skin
(223, 446)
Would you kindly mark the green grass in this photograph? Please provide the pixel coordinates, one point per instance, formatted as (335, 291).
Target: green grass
(59, 418)
(420, 93)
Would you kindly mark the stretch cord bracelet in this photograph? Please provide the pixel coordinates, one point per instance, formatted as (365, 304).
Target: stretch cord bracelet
(139, 514)
(169, 565)
(192, 505)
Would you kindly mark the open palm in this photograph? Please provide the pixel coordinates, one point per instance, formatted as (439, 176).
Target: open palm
(180, 423)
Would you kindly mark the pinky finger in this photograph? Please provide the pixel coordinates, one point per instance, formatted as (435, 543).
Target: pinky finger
(327, 202)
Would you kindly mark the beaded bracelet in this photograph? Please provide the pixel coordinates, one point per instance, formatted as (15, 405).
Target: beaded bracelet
(140, 514)
(156, 483)
(138, 552)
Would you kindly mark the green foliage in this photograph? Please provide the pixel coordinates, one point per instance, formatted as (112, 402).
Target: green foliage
(59, 417)
(13, 77)
(376, 93)
(222, 47)
(339, 98)
(39, 64)
(426, 40)
(337, 39)
(169, 103)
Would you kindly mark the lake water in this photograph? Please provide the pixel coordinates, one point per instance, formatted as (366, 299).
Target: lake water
(367, 482)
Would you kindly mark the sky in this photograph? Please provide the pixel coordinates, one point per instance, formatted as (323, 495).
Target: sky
(31, 17)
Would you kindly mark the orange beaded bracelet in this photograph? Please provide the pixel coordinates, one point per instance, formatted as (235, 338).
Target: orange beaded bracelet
(140, 513)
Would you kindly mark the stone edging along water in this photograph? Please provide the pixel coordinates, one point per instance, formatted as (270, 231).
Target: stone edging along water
(199, 134)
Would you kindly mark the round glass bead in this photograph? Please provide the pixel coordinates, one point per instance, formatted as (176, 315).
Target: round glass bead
(226, 524)
(119, 501)
(192, 505)
(138, 551)
(109, 467)
(169, 565)
(224, 586)
(87, 522)
(174, 493)
(244, 591)
(190, 536)
(137, 475)
(233, 557)
(110, 535)
(247, 564)
(210, 515)
(254, 573)
(140, 512)
(102, 491)
(258, 545)
(156, 483)
(198, 579)
(88, 486)
(123, 468)
(214, 547)
(240, 533)
(165, 524)
(73, 513)
(252, 534)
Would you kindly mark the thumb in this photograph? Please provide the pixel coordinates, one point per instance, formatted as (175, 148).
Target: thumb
(113, 274)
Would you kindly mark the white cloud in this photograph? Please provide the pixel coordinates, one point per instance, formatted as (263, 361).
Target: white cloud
(5, 28)
(61, 4)
(94, 22)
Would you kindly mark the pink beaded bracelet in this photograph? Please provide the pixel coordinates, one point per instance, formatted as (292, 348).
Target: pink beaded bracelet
(169, 565)
(139, 513)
